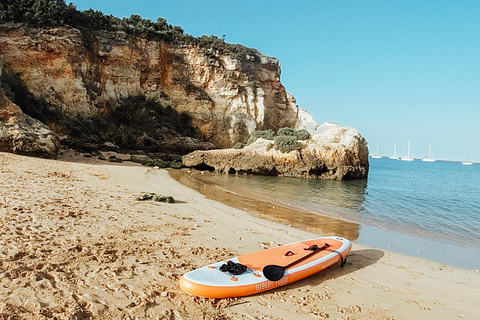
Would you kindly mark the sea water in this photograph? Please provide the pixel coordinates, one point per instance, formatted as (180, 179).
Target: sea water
(430, 210)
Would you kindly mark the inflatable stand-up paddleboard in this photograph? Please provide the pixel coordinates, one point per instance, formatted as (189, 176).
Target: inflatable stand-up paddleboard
(267, 269)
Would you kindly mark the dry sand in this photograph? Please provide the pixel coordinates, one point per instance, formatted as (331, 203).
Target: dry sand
(75, 244)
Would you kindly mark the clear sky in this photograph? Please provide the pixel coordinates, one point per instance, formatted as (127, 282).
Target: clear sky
(398, 70)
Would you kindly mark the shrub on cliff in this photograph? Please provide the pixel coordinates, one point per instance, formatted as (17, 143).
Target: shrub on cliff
(286, 143)
(265, 134)
(56, 13)
(286, 132)
(283, 139)
(212, 42)
(302, 134)
(37, 13)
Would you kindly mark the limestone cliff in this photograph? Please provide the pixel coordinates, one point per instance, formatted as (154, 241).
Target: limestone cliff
(337, 153)
(86, 73)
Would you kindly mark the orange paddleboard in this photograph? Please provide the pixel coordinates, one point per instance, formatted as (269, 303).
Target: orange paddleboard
(211, 282)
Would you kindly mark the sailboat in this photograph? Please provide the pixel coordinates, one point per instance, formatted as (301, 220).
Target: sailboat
(468, 162)
(408, 157)
(430, 157)
(377, 155)
(395, 157)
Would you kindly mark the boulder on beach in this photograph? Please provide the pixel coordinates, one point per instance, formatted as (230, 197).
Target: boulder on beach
(22, 134)
(337, 153)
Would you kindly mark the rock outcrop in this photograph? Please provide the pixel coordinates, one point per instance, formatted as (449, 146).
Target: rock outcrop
(85, 73)
(337, 153)
(22, 134)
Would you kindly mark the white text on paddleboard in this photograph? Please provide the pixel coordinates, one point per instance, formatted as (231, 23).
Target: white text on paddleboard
(265, 285)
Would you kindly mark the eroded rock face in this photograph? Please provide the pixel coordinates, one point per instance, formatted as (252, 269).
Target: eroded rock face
(337, 153)
(86, 73)
(22, 134)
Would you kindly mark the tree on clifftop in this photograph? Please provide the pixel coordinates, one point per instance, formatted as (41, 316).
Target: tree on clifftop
(36, 13)
(56, 13)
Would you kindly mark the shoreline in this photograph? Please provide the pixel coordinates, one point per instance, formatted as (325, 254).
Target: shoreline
(75, 242)
(274, 212)
(408, 243)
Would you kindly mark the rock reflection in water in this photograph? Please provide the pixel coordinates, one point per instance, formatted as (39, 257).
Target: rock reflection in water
(259, 197)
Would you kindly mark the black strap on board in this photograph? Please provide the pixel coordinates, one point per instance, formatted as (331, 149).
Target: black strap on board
(314, 247)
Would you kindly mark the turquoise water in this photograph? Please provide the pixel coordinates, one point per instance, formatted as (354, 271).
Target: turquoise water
(430, 210)
(440, 199)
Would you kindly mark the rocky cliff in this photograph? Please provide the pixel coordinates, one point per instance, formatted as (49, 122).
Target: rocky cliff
(335, 153)
(85, 74)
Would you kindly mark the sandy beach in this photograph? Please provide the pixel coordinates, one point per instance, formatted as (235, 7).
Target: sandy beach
(76, 244)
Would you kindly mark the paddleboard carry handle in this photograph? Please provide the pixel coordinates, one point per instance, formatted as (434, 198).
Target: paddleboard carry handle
(313, 248)
(343, 260)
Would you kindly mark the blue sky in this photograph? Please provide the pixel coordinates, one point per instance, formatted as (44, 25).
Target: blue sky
(396, 70)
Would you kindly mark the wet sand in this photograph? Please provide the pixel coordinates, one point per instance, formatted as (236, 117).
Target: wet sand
(291, 217)
(75, 243)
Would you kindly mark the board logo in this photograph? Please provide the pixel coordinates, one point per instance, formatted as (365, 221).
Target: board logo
(265, 285)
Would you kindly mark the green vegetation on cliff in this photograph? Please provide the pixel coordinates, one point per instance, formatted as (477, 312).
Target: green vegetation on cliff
(286, 139)
(265, 134)
(56, 13)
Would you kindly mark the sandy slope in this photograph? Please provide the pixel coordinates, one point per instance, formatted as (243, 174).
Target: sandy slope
(74, 243)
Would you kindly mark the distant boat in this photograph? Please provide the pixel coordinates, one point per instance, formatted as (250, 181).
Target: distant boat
(468, 162)
(377, 155)
(430, 157)
(395, 157)
(408, 157)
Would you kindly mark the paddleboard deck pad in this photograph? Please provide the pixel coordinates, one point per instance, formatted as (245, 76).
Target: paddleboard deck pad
(243, 275)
